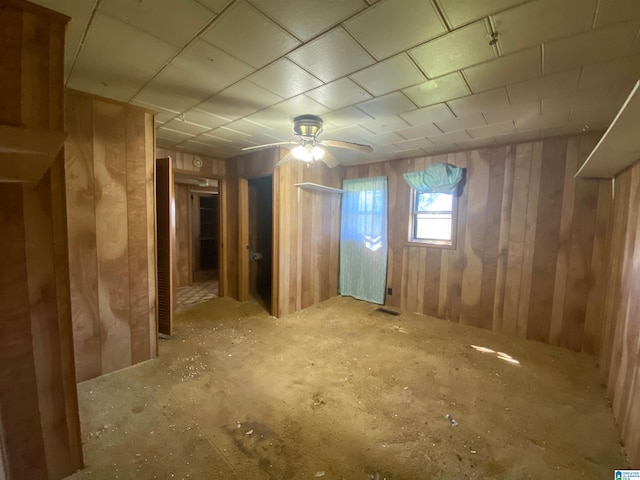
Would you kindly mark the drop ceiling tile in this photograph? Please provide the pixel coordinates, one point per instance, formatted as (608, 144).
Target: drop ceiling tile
(158, 18)
(502, 71)
(319, 56)
(117, 60)
(590, 115)
(215, 6)
(545, 120)
(512, 112)
(591, 47)
(449, 138)
(204, 119)
(213, 140)
(390, 104)
(564, 83)
(385, 124)
(239, 100)
(619, 93)
(392, 74)
(480, 102)
(339, 94)
(492, 130)
(346, 117)
(476, 143)
(617, 11)
(608, 73)
(421, 131)
(461, 12)
(172, 135)
(541, 21)
(249, 128)
(249, 36)
(390, 27)
(590, 98)
(164, 113)
(415, 143)
(210, 65)
(238, 139)
(518, 137)
(198, 148)
(456, 50)
(300, 105)
(272, 117)
(461, 123)
(354, 133)
(561, 130)
(427, 115)
(298, 21)
(80, 13)
(384, 139)
(185, 127)
(438, 90)
(284, 78)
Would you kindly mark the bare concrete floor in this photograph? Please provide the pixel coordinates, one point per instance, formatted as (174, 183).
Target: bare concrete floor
(339, 392)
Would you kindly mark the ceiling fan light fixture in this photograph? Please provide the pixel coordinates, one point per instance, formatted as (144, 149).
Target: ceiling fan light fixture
(317, 153)
(308, 152)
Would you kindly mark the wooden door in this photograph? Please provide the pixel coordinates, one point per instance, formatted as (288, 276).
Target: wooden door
(243, 253)
(165, 232)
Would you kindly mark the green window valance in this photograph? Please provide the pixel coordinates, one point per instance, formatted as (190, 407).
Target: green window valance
(437, 178)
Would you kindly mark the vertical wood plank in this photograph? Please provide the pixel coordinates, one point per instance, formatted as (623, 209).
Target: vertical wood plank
(152, 273)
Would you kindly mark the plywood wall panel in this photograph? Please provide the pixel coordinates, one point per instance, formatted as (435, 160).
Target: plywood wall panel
(183, 163)
(110, 221)
(182, 273)
(517, 215)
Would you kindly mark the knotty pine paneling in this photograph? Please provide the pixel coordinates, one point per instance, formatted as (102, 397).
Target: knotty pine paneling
(109, 158)
(529, 255)
(620, 332)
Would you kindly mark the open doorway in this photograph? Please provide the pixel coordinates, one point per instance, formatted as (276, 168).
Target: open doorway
(260, 233)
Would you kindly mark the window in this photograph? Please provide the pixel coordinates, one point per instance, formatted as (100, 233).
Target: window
(433, 218)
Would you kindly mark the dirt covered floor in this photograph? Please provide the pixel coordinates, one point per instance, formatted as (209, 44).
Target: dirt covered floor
(339, 391)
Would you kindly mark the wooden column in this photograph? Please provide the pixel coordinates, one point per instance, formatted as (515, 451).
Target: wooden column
(39, 426)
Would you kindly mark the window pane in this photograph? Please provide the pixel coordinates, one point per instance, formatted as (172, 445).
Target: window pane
(434, 202)
(433, 226)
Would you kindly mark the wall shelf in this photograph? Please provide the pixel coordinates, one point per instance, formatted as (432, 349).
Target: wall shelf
(317, 187)
(619, 147)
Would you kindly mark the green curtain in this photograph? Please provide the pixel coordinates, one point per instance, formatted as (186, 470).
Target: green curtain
(363, 239)
(437, 178)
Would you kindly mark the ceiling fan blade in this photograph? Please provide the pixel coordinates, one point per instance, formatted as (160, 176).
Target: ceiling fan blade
(329, 160)
(286, 159)
(349, 145)
(266, 145)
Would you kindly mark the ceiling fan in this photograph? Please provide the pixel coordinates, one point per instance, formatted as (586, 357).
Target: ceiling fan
(309, 148)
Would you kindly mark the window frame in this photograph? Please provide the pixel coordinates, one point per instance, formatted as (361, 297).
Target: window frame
(444, 244)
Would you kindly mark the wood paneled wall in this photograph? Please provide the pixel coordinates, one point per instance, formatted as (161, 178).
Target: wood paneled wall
(183, 271)
(183, 163)
(308, 236)
(111, 222)
(620, 351)
(530, 248)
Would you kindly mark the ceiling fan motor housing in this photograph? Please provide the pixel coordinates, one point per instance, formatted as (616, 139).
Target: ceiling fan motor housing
(307, 126)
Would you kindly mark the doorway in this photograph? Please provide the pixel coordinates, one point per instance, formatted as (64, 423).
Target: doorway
(260, 233)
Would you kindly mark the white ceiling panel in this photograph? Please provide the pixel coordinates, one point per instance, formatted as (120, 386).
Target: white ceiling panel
(459, 49)
(172, 135)
(531, 23)
(390, 27)
(185, 126)
(421, 131)
(608, 73)
(461, 123)
(564, 83)
(461, 12)
(354, 133)
(303, 24)
(512, 112)
(480, 102)
(117, 60)
(239, 100)
(319, 56)
(386, 105)
(414, 143)
(550, 119)
(204, 119)
(158, 18)
(617, 11)
(591, 47)
(504, 70)
(492, 130)
(346, 117)
(569, 101)
(384, 139)
(248, 35)
(447, 138)
(215, 6)
(284, 78)
(438, 90)
(526, 136)
(385, 124)
(427, 115)
(339, 94)
(392, 74)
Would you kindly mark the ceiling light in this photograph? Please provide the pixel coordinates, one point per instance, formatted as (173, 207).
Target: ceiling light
(308, 152)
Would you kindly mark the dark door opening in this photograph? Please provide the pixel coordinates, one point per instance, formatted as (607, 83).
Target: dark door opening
(261, 239)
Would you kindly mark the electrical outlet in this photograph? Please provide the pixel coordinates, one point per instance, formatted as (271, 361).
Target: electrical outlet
(389, 291)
